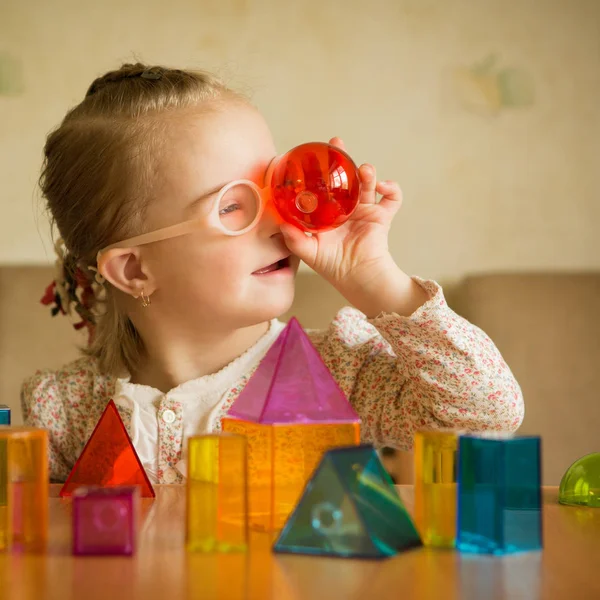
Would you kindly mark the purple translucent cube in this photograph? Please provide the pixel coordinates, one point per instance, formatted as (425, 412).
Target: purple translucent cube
(104, 520)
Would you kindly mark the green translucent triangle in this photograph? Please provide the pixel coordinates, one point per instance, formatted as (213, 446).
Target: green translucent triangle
(349, 508)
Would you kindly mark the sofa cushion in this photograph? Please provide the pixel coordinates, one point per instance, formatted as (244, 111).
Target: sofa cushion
(546, 325)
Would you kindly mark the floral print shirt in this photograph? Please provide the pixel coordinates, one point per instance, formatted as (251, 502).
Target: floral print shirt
(432, 369)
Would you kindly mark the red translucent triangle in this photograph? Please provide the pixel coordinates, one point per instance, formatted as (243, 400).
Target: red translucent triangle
(292, 384)
(109, 458)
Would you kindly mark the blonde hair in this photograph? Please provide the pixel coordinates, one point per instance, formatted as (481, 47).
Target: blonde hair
(97, 178)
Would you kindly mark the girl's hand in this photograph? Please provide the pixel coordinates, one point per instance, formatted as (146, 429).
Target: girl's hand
(355, 257)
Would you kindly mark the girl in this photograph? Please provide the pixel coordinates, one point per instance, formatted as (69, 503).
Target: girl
(180, 319)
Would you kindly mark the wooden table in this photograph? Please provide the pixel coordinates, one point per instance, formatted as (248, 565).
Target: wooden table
(568, 567)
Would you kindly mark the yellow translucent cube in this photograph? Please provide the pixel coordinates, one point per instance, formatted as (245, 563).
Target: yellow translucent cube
(436, 454)
(217, 494)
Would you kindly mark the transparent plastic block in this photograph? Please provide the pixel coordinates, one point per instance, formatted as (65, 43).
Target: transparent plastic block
(105, 520)
(23, 489)
(436, 467)
(292, 385)
(108, 459)
(580, 485)
(4, 415)
(217, 494)
(499, 494)
(350, 508)
(291, 412)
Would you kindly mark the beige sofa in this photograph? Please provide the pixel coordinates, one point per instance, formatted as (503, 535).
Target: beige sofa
(546, 325)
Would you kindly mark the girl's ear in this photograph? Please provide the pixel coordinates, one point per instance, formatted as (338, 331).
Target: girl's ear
(125, 269)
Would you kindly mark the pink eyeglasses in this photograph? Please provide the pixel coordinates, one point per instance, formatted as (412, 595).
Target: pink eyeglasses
(314, 186)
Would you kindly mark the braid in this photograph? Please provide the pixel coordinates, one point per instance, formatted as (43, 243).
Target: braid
(127, 71)
(132, 71)
(71, 290)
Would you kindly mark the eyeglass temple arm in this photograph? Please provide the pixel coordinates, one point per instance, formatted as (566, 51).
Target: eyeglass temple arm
(155, 236)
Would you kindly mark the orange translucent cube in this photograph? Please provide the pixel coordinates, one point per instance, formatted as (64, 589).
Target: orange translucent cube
(23, 489)
(281, 459)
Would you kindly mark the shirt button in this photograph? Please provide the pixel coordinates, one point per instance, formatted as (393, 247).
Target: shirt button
(168, 416)
(169, 475)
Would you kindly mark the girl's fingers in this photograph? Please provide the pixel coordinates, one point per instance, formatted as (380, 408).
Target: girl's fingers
(298, 243)
(368, 179)
(338, 143)
(391, 195)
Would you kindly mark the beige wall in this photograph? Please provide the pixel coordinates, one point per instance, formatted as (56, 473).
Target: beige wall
(499, 164)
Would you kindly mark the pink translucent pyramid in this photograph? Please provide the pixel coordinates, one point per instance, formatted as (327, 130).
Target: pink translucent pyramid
(292, 385)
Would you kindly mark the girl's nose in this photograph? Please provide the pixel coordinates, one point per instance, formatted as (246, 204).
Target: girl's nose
(271, 220)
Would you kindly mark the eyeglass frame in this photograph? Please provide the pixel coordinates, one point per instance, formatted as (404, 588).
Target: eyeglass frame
(194, 225)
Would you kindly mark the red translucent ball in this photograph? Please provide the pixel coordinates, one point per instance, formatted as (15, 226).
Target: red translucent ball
(315, 186)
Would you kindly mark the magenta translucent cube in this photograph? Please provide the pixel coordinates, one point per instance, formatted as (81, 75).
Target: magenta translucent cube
(104, 520)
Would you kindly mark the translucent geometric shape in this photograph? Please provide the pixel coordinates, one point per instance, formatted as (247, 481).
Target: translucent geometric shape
(499, 494)
(292, 385)
(104, 520)
(281, 459)
(314, 186)
(4, 415)
(291, 411)
(350, 509)
(580, 485)
(217, 494)
(436, 465)
(23, 489)
(108, 459)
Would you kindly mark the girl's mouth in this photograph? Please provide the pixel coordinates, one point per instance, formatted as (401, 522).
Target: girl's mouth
(284, 263)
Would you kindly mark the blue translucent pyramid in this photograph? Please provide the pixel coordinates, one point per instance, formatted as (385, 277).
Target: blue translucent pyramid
(350, 509)
(499, 494)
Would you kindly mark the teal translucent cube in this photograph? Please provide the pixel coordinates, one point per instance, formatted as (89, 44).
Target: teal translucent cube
(4, 415)
(349, 508)
(499, 494)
